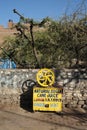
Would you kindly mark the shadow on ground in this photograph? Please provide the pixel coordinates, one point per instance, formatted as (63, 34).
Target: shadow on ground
(26, 100)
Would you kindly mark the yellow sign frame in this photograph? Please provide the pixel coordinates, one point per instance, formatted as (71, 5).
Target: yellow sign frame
(47, 99)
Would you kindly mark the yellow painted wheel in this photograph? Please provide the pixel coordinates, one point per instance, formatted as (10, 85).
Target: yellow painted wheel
(45, 77)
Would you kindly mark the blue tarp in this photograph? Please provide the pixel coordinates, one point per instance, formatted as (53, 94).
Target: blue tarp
(7, 64)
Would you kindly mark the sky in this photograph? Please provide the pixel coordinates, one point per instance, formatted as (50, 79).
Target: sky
(36, 9)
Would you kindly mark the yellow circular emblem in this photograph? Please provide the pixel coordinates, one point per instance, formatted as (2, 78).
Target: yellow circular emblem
(45, 77)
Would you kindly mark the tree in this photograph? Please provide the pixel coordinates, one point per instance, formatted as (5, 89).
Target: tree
(57, 45)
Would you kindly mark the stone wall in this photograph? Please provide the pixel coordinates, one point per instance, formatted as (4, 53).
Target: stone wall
(75, 87)
(74, 84)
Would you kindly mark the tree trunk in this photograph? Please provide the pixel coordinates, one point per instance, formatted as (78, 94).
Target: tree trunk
(33, 45)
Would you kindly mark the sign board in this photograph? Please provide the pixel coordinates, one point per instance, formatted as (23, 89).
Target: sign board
(47, 99)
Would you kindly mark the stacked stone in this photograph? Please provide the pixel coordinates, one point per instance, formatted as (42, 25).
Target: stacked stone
(74, 97)
(9, 100)
(75, 88)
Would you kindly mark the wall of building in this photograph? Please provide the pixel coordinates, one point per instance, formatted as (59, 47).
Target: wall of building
(10, 31)
(74, 84)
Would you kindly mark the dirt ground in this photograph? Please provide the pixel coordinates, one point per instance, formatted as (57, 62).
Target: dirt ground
(16, 118)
